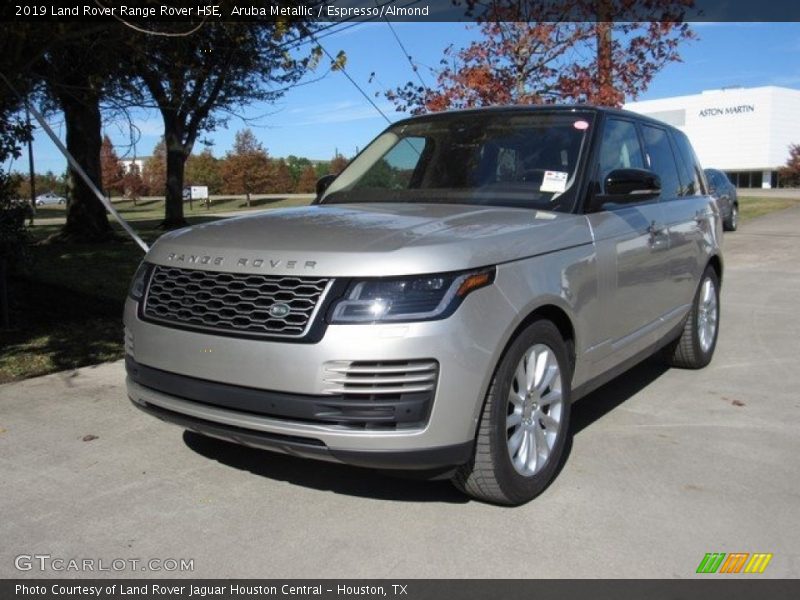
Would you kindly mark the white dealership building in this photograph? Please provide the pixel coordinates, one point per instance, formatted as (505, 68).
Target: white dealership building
(745, 132)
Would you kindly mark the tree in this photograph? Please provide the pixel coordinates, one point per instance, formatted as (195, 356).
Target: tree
(154, 171)
(79, 66)
(49, 182)
(204, 169)
(539, 52)
(192, 82)
(246, 169)
(307, 182)
(133, 184)
(111, 169)
(13, 234)
(338, 164)
(297, 164)
(281, 178)
(790, 174)
(72, 65)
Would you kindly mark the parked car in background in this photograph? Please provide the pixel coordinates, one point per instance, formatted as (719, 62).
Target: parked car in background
(449, 295)
(724, 191)
(49, 198)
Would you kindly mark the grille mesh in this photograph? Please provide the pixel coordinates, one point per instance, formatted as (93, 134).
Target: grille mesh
(232, 302)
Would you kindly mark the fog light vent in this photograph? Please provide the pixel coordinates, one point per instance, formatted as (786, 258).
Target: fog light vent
(380, 378)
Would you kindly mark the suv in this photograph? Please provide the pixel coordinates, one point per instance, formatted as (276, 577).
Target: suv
(443, 302)
(724, 191)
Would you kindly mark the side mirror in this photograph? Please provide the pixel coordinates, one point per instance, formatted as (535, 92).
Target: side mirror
(626, 186)
(323, 183)
(631, 185)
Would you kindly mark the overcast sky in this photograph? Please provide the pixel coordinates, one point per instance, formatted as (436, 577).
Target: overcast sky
(318, 119)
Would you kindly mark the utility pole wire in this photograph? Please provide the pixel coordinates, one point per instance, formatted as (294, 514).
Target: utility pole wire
(353, 81)
(406, 53)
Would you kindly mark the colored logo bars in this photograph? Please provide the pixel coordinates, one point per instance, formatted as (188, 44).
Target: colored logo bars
(736, 562)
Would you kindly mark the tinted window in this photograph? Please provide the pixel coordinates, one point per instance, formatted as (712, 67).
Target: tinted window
(691, 173)
(620, 148)
(660, 159)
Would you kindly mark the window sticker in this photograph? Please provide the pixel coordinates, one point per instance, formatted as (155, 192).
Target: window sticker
(581, 125)
(554, 181)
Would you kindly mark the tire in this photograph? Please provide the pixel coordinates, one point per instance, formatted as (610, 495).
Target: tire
(732, 222)
(511, 419)
(695, 347)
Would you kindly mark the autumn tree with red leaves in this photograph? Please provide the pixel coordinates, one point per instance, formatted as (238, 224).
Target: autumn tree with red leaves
(790, 173)
(307, 182)
(133, 184)
(337, 164)
(111, 169)
(154, 171)
(281, 181)
(533, 52)
(246, 169)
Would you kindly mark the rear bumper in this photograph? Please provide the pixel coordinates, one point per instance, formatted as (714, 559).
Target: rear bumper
(309, 447)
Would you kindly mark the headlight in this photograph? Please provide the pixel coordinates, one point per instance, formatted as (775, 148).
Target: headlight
(417, 298)
(139, 282)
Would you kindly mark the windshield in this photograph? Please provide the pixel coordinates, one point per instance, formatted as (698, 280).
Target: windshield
(492, 158)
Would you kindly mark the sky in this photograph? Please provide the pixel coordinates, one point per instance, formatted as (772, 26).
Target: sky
(328, 116)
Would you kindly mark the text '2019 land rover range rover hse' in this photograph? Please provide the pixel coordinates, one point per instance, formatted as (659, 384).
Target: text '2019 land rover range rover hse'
(444, 301)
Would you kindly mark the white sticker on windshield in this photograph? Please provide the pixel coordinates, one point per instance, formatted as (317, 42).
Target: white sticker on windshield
(554, 181)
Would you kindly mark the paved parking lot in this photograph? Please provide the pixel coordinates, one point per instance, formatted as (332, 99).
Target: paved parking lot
(665, 466)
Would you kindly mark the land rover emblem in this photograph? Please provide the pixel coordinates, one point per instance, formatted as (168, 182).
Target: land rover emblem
(279, 310)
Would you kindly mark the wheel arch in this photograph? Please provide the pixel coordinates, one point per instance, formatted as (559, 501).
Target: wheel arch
(715, 262)
(556, 315)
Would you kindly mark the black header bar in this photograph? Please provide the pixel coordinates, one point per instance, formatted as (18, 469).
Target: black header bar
(332, 11)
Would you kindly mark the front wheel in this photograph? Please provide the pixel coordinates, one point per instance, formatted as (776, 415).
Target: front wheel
(525, 421)
(695, 348)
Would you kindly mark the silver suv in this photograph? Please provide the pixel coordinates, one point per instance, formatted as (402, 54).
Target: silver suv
(444, 301)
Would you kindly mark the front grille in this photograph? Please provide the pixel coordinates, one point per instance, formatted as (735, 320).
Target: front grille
(233, 302)
(380, 378)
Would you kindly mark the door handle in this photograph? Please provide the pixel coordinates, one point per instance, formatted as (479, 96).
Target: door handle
(658, 236)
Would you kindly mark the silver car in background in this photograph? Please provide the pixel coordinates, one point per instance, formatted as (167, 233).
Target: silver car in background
(449, 295)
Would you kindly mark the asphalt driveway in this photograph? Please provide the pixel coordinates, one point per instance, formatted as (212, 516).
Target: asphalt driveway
(666, 465)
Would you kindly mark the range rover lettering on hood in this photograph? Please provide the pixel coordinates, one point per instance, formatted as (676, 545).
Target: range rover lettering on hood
(205, 259)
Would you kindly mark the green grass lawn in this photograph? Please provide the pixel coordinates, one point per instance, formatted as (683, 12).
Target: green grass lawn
(67, 304)
(750, 208)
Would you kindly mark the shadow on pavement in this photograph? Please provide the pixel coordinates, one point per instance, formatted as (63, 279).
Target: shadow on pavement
(603, 400)
(406, 486)
(341, 479)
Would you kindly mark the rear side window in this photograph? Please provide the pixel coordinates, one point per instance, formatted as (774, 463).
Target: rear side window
(691, 173)
(620, 148)
(661, 160)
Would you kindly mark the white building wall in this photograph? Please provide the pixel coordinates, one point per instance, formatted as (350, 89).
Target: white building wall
(737, 129)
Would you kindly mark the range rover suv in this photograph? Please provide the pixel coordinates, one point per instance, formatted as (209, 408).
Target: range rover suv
(443, 302)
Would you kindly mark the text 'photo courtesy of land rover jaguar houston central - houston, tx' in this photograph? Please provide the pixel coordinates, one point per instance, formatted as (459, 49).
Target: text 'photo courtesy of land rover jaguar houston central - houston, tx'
(445, 299)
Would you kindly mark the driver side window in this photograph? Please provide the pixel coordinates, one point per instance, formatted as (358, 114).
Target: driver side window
(619, 149)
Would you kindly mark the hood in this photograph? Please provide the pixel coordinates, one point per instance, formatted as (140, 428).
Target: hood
(349, 240)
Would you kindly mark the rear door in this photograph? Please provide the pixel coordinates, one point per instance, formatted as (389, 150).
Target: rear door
(632, 246)
(689, 220)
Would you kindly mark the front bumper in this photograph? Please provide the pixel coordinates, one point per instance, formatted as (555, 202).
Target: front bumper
(428, 459)
(466, 346)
